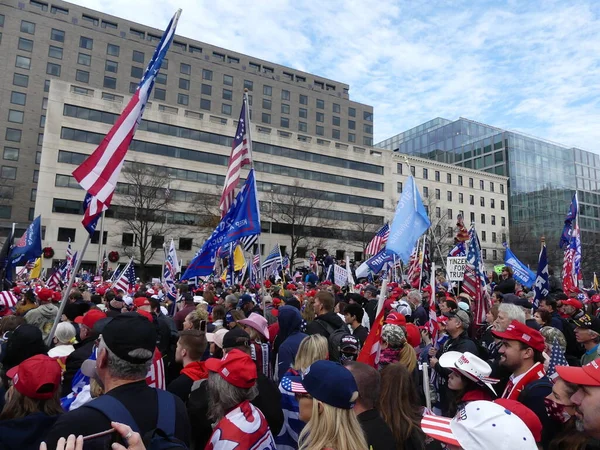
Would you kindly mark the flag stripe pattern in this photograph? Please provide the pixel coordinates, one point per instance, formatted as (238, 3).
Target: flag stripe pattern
(126, 280)
(8, 299)
(378, 241)
(248, 242)
(98, 174)
(240, 156)
(474, 281)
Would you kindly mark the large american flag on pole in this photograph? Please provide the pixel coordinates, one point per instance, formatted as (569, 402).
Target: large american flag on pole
(126, 280)
(240, 156)
(378, 240)
(474, 281)
(98, 174)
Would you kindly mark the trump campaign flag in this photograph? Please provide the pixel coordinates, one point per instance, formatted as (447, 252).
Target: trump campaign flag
(410, 222)
(521, 272)
(474, 279)
(29, 246)
(375, 263)
(99, 173)
(242, 219)
(171, 267)
(541, 287)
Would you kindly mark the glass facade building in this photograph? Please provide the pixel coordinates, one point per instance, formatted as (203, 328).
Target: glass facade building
(542, 175)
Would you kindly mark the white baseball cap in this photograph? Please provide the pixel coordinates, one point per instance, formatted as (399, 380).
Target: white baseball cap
(402, 307)
(480, 425)
(469, 365)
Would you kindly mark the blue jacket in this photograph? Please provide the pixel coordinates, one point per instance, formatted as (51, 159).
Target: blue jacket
(26, 433)
(290, 336)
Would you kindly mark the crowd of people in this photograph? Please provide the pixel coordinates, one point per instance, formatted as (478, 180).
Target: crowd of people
(287, 366)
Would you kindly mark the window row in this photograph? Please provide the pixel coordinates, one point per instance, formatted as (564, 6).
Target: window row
(449, 178)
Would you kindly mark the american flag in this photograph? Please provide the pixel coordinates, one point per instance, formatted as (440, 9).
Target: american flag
(104, 265)
(414, 267)
(474, 280)
(378, 240)
(156, 375)
(126, 280)
(98, 174)
(557, 358)
(458, 250)
(240, 156)
(70, 267)
(272, 262)
(8, 299)
(56, 277)
(426, 263)
(292, 386)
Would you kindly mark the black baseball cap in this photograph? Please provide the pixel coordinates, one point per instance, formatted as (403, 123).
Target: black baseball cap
(236, 338)
(127, 332)
(586, 321)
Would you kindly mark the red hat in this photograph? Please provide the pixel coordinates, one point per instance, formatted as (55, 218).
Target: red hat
(277, 301)
(56, 296)
(33, 374)
(100, 290)
(518, 331)
(138, 302)
(396, 318)
(90, 318)
(17, 290)
(146, 314)
(236, 367)
(442, 319)
(291, 287)
(44, 295)
(326, 283)
(267, 284)
(572, 302)
(413, 335)
(595, 298)
(588, 375)
(528, 417)
(311, 293)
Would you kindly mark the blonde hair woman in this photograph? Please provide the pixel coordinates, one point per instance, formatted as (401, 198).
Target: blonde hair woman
(326, 395)
(311, 349)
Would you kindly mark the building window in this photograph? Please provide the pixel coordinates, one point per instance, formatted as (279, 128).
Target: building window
(57, 35)
(320, 131)
(8, 172)
(20, 80)
(460, 180)
(248, 85)
(45, 103)
(438, 194)
(399, 187)
(482, 201)
(33, 195)
(471, 199)
(492, 203)
(227, 80)
(491, 186)
(483, 218)
(42, 121)
(23, 62)
(111, 83)
(133, 87)
(481, 185)
(285, 109)
(36, 176)
(449, 196)
(368, 116)
(493, 237)
(495, 254)
(96, 237)
(93, 20)
(449, 213)
(84, 60)
(184, 84)
(335, 121)
(207, 74)
(303, 113)
(320, 104)
(285, 95)
(85, 42)
(320, 117)
(27, 27)
(13, 135)
(194, 49)
(161, 78)
(138, 56)
(352, 112)
(18, 98)
(460, 197)
(266, 118)
(205, 104)
(335, 134)
(449, 178)
(503, 224)
(109, 25)
(55, 52)
(483, 236)
(303, 99)
(368, 128)
(127, 240)
(413, 170)
(493, 219)
(351, 125)
(185, 244)
(11, 154)
(437, 175)
(302, 126)
(438, 213)
(351, 137)
(425, 173)
(285, 122)
(38, 157)
(183, 99)
(40, 140)
(185, 69)
(502, 205)
(25, 44)
(425, 192)
(15, 116)
(266, 103)
(82, 76)
(267, 90)
(111, 66)
(66, 234)
(206, 89)
(157, 241)
(53, 69)
(137, 72)
(472, 217)
(502, 189)
(46, 85)
(113, 50)
(226, 109)
(470, 182)
(160, 94)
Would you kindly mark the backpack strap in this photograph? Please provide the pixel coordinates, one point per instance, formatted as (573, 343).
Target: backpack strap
(114, 410)
(326, 326)
(166, 412)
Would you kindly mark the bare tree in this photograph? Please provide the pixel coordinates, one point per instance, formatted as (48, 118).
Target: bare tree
(298, 213)
(365, 227)
(441, 232)
(206, 205)
(144, 206)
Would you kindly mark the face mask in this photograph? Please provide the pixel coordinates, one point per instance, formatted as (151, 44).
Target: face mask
(556, 411)
(348, 356)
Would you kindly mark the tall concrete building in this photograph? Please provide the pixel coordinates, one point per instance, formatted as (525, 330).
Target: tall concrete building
(42, 41)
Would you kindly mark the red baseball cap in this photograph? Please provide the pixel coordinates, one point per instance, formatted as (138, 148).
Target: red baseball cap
(528, 417)
(396, 318)
(138, 302)
(588, 375)
(291, 287)
(44, 295)
(37, 377)
(572, 302)
(413, 335)
(518, 331)
(236, 367)
(90, 318)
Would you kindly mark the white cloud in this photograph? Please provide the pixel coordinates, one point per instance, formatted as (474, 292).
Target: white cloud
(531, 66)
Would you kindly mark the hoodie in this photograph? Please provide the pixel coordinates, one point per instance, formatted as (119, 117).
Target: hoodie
(25, 433)
(318, 327)
(290, 337)
(42, 317)
(182, 385)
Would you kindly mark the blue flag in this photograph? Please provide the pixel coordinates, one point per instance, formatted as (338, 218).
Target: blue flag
(29, 246)
(375, 264)
(242, 219)
(542, 286)
(565, 238)
(410, 222)
(521, 272)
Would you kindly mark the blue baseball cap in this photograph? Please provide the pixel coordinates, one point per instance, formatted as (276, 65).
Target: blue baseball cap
(328, 382)
(229, 317)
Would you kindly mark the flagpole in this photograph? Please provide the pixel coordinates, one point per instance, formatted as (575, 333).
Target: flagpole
(421, 265)
(66, 291)
(100, 243)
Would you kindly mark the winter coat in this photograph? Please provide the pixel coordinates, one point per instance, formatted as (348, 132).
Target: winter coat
(25, 433)
(290, 337)
(42, 317)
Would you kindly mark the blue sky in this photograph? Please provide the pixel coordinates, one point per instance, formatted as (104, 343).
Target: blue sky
(531, 66)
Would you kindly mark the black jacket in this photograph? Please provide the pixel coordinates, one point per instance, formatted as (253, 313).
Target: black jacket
(371, 310)
(83, 351)
(378, 433)
(25, 433)
(533, 396)
(331, 318)
(506, 286)
(268, 401)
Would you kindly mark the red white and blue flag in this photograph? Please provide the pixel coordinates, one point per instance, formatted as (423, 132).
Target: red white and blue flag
(126, 280)
(240, 156)
(474, 280)
(170, 272)
(378, 241)
(99, 173)
(56, 278)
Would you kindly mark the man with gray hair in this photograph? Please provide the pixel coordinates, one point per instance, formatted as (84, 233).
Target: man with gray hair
(124, 355)
(419, 315)
(507, 312)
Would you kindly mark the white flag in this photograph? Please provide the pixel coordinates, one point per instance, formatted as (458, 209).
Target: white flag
(349, 270)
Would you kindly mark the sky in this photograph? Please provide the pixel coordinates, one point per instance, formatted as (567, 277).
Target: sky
(529, 66)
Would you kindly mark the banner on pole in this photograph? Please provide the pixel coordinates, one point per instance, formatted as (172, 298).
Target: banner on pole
(455, 267)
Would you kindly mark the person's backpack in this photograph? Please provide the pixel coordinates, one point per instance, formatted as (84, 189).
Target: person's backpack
(160, 438)
(543, 382)
(334, 338)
